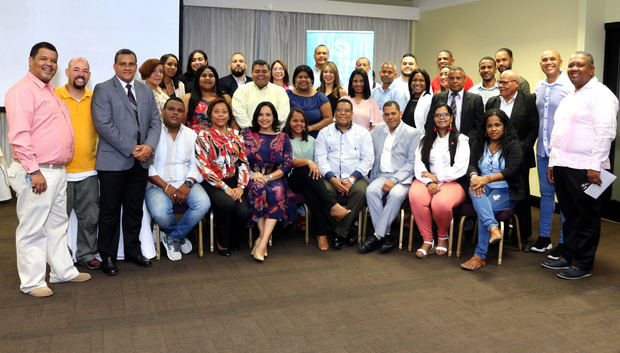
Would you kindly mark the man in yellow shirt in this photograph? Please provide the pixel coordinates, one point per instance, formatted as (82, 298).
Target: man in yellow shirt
(82, 182)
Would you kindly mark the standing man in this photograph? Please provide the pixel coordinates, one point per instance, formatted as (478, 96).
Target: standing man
(488, 87)
(247, 97)
(364, 64)
(344, 154)
(504, 60)
(408, 63)
(585, 126)
(321, 57)
(390, 90)
(82, 182)
(391, 175)
(128, 122)
(549, 93)
(41, 139)
(445, 58)
(229, 84)
(520, 107)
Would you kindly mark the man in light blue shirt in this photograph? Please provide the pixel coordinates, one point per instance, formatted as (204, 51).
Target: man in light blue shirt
(488, 87)
(390, 90)
(344, 154)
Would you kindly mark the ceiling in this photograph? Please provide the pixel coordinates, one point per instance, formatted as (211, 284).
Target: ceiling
(423, 5)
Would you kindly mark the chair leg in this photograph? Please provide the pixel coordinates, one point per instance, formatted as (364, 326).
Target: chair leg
(307, 224)
(516, 222)
(410, 245)
(459, 241)
(360, 225)
(450, 237)
(157, 241)
(501, 245)
(200, 240)
(211, 232)
(402, 226)
(366, 212)
(250, 238)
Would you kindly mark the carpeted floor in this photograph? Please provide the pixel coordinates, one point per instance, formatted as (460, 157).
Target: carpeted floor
(303, 300)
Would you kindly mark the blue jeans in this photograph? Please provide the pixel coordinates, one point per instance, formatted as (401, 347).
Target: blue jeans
(160, 207)
(547, 199)
(491, 202)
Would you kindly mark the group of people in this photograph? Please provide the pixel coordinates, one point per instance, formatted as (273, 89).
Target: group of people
(244, 146)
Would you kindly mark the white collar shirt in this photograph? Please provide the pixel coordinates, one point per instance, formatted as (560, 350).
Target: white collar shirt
(175, 159)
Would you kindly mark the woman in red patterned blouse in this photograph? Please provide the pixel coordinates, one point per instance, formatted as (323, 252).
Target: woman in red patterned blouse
(223, 163)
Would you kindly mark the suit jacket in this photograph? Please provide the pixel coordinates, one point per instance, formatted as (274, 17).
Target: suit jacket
(228, 85)
(472, 111)
(512, 172)
(115, 122)
(403, 151)
(524, 119)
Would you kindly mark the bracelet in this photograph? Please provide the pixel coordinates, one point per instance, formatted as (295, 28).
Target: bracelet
(269, 177)
(429, 183)
(166, 189)
(472, 175)
(225, 187)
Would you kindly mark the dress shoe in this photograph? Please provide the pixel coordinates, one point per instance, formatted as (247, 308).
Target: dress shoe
(225, 252)
(41, 292)
(109, 266)
(338, 242)
(140, 260)
(351, 240)
(81, 277)
(372, 243)
(389, 243)
(93, 264)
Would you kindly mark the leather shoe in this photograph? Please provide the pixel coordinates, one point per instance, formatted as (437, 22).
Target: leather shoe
(372, 243)
(109, 266)
(140, 260)
(351, 240)
(225, 252)
(93, 264)
(338, 242)
(389, 243)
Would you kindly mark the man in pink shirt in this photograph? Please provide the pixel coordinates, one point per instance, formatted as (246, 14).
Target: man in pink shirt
(585, 126)
(41, 138)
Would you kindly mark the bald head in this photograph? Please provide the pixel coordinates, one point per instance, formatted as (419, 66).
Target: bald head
(78, 73)
(509, 83)
(551, 64)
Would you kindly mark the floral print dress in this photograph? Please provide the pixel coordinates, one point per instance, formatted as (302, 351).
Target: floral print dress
(201, 120)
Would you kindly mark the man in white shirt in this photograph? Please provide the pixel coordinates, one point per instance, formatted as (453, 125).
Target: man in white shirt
(321, 57)
(392, 173)
(248, 96)
(408, 64)
(488, 87)
(175, 180)
(390, 90)
(344, 154)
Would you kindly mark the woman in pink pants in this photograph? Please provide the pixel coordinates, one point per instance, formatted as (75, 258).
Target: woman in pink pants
(440, 161)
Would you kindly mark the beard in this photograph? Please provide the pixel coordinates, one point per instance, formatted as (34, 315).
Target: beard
(237, 72)
(76, 86)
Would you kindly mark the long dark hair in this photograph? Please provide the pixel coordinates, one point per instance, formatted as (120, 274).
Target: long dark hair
(274, 124)
(430, 136)
(175, 79)
(480, 138)
(188, 70)
(196, 95)
(366, 92)
(427, 81)
(287, 126)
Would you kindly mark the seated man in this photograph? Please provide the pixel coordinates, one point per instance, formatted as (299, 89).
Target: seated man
(343, 151)
(174, 179)
(391, 175)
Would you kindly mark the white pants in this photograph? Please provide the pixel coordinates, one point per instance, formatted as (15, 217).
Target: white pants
(41, 236)
(382, 215)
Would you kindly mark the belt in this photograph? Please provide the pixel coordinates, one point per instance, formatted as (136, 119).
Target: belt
(45, 165)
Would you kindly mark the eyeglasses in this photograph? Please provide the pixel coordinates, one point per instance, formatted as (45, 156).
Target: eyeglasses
(503, 83)
(441, 115)
(343, 110)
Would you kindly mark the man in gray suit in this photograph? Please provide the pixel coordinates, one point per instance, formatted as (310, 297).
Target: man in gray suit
(127, 120)
(391, 175)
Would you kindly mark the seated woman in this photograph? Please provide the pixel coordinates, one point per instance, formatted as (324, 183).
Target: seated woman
(366, 112)
(441, 163)
(195, 60)
(223, 164)
(306, 179)
(171, 83)
(495, 183)
(279, 74)
(420, 98)
(203, 93)
(152, 72)
(314, 104)
(330, 85)
(270, 158)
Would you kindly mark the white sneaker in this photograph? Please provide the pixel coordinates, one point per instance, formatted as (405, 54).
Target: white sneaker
(186, 246)
(173, 249)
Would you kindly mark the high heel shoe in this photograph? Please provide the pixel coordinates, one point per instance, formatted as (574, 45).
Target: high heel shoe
(258, 257)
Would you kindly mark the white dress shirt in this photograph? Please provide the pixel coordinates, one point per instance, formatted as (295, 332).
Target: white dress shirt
(248, 96)
(439, 160)
(175, 160)
(506, 107)
(385, 165)
(344, 154)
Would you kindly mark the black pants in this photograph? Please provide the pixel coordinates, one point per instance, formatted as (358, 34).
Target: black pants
(230, 216)
(582, 225)
(318, 199)
(121, 188)
(524, 209)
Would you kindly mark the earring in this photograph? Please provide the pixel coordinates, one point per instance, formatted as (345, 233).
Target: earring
(435, 129)
(450, 128)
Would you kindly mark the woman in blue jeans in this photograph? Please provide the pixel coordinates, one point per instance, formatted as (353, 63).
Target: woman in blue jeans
(495, 182)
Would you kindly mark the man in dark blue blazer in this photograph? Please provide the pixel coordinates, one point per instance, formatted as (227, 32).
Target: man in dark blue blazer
(229, 84)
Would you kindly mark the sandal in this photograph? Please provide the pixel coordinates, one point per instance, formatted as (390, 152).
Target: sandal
(421, 253)
(441, 250)
(496, 235)
(474, 263)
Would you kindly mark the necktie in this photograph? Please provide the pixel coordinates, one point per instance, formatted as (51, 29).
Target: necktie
(453, 104)
(134, 106)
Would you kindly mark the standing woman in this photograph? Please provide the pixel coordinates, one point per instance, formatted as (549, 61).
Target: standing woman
(152, 72)
(443, 79)
(306, 179)
(420, 99)
(330, 85)
(366, 112)
(223, 164)
(171, 83)
(203, 93)
(314, 104)
(270, 157)
(279, 74)
(495, 183)
(195, 60)
(441, 163)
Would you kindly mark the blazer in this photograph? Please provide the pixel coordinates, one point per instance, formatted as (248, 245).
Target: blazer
(403, 152)
(472, 111)
(513, 156)
(115, 122)
(228, 85)
(524, 119)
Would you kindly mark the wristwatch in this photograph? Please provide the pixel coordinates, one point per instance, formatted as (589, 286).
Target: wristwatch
(352, 180)
(189, 182)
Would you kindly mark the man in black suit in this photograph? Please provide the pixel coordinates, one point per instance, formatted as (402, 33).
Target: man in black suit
(467, 107)
(229, 84)
(520, 106)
